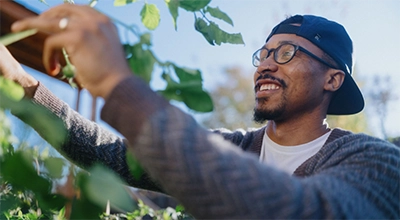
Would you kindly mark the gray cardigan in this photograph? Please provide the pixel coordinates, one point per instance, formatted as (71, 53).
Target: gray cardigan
(352, 176)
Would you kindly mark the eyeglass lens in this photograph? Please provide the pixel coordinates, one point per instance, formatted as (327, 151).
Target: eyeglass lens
(282, 54)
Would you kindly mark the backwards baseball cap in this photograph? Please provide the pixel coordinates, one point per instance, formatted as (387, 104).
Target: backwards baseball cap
(333, 39)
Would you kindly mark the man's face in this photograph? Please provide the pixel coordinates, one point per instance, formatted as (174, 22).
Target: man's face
(288, 91)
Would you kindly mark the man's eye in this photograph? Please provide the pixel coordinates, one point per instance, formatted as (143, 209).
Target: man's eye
(287, 54)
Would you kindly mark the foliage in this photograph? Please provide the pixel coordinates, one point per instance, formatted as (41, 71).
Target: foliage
(35, 185)
(30, 189)
(188, 88)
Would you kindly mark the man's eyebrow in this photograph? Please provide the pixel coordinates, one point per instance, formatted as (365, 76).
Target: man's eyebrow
(286, 42)
(280, 43)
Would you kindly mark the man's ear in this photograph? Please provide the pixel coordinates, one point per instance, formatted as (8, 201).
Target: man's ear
(334, 79)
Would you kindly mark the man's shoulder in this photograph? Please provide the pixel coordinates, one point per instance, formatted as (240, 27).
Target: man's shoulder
(351, 149)
(348, 141)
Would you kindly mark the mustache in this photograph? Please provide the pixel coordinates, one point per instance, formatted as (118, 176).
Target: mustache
(268, 76)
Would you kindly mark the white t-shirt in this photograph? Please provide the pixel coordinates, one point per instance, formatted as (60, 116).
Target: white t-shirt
(288, 158)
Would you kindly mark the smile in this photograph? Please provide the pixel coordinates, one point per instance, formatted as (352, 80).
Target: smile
(271, 86)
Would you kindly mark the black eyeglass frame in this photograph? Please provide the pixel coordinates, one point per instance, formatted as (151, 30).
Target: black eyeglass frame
(296, 48)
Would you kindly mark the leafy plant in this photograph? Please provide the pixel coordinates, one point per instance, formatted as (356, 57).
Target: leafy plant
(188, 87)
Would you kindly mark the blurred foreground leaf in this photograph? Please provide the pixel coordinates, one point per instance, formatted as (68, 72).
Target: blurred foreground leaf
(18, 170)
(45, 122)
(10, 88)
(54, 166)
(104, 185)
(133, 164)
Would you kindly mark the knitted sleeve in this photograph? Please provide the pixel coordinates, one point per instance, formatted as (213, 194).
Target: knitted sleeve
(88, 143)
(211, 177)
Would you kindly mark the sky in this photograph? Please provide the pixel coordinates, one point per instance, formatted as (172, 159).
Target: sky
(374, 26)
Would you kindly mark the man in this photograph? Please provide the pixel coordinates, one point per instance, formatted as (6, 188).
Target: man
(307, 171)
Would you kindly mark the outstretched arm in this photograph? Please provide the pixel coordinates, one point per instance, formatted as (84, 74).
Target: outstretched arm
(87, 142)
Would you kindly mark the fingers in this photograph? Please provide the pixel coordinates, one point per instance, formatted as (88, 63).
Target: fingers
(49, 21)
(52, 56)
(91, 41)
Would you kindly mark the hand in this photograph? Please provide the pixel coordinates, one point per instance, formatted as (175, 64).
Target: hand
(12, 70)
(91, 41)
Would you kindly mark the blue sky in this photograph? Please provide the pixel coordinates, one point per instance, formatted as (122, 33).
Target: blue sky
(374, 26)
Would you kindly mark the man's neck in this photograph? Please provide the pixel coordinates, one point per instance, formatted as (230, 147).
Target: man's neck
(296, 132)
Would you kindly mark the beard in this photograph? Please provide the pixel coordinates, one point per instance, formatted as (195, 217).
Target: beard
(261, 115)
(262, 111)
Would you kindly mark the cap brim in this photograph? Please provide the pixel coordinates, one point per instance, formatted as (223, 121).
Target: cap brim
(347, 100)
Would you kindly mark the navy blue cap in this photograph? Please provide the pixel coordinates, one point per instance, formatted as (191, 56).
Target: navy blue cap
(333, 39)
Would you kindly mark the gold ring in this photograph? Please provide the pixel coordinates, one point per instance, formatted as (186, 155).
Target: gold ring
(63, 23)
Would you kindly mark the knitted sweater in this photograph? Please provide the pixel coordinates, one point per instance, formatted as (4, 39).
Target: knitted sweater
(352, 176)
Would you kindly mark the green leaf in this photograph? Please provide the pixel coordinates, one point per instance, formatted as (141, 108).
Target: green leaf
(104, 185)
(8, 203)
(234, 38)
(133, 164)
(214, 35)
(83, 208)
(188, 90)
(45, 122)
(13, 90)
(201, 26)
(191, 94)
(140, 61)
(6, 137)
(55, 166)
(193, 5)
(198, 100)
(150, 16)
(145, 39)
(179, 208)
(173, 10)
(18, 170)
(50, 201)
(122, 2)
(217, 13)
(172, 91)
(187, 75)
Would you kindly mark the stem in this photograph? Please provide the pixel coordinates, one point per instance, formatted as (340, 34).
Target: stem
(66, 56)
(204, 16)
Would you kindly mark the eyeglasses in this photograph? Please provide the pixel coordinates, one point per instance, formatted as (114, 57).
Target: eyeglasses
(284, 53)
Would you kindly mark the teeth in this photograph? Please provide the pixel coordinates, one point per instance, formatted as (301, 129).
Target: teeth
(269, 87)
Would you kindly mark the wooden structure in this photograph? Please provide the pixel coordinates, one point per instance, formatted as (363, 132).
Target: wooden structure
(27, 51)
